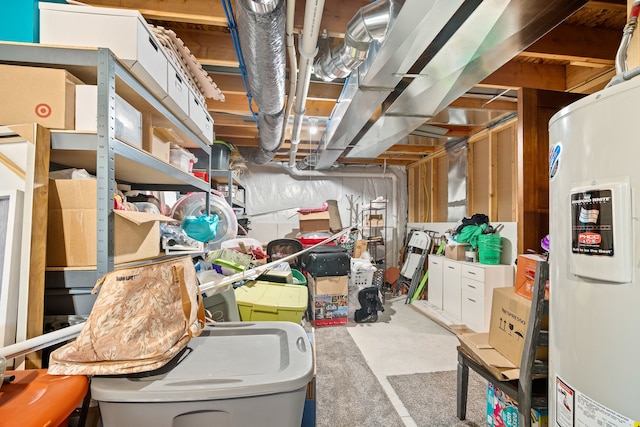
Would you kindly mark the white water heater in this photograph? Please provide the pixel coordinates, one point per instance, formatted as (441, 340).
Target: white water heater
(594, 206)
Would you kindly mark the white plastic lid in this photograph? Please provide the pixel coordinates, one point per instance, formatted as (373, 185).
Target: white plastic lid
(229, 360)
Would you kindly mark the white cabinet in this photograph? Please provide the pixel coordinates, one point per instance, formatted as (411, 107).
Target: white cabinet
(463, 290)
(451, 289)
(477, 282)
(434, 289)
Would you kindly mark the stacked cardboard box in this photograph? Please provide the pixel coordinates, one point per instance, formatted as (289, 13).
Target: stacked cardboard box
(330, 299)
(525, 275)
(508, 324)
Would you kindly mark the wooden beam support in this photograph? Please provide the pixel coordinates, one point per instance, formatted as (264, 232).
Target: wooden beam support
(472, 103)
(521, 74)
(577, 43)
(412, 149)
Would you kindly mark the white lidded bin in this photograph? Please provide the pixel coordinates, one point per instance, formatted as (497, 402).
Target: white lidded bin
(235, 374)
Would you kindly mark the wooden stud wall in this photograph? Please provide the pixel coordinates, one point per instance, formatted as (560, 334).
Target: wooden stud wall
(491, 184)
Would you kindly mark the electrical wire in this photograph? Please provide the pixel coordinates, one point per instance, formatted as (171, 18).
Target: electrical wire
(233, 28)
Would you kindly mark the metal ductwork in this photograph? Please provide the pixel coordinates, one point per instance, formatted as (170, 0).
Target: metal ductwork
(261, 28)
(369, 24)
(428, 60)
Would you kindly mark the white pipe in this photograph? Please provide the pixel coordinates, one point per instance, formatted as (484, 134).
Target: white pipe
(293, 66)
(308, 50)
(43, 341)
(314, 174)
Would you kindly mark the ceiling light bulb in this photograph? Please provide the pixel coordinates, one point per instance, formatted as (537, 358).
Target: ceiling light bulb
(313, 129)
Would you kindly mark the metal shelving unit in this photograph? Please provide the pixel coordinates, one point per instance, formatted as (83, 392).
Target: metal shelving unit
(376, 235)
(101, 152)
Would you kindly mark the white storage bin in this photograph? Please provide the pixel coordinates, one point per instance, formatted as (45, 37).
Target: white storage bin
(199, 117)
(235, 375)
(178, 91)
(128, 119)
(123, 31)
(182, 159)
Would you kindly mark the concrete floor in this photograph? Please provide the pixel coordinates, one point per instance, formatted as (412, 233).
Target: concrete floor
(413, 343)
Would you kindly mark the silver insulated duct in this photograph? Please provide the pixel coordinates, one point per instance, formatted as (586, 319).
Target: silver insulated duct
(261, 28)
(369, 24)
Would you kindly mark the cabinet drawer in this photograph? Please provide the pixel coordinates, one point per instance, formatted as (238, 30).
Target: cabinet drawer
(473, 312)
(472, 286)
(473, 272)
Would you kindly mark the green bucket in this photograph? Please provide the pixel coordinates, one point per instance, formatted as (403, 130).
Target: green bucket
(298, 277)
(489, 248)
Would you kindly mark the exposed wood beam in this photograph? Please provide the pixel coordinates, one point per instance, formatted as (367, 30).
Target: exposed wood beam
(390, 162)
(521, 74)
(337, 13)
(235, 131)
(472, 103)
(210, 47)
(577, 43)
(619, 5)
(588, 80)
(223, 119)
(412, 148)
(233, 84)
(233, 103)
(196, 12)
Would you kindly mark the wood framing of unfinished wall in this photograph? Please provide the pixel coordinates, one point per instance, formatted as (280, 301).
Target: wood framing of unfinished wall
(491, 184)
(535, 108)
(491, 173)
(427, 189)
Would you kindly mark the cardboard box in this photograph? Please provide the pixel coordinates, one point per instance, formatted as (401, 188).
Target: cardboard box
(478, 348)
(38, 95)
(128, 119)
(359, 247)
(502, 411)
(71, 235)
(159, 142)
(455, 252)
(330, 299)
(374, 220)
(508, 324)
(335, 222)
(314, 221)
(525, 275)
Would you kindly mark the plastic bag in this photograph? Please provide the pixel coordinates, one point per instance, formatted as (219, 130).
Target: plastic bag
(202, 228)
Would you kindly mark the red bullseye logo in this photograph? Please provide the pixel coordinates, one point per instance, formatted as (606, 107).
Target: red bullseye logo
(43, 110)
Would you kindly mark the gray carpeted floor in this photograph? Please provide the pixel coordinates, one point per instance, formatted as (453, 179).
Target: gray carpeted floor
(430, 398)
(347, 392)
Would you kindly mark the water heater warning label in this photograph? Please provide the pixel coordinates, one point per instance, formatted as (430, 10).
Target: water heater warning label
(592, 223)
(576, 409)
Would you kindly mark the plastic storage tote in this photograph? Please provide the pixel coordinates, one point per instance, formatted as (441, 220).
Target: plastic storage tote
(235, 375)
(259, 301)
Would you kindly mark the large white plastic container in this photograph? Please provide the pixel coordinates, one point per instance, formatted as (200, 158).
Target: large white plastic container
(236, 374)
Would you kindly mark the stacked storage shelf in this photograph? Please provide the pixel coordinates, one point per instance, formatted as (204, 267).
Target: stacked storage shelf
(100, 152)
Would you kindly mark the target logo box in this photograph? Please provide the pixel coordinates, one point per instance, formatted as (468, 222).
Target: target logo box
(38, 95)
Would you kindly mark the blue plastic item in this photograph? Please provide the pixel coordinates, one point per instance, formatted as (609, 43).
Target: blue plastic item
(203, 228)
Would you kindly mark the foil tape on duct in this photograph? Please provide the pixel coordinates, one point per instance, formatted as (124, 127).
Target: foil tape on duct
(261, 28)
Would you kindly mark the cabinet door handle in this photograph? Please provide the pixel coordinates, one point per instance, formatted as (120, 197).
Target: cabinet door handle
(471, 286)
(472, 300)
(471, 272)
(452, 268)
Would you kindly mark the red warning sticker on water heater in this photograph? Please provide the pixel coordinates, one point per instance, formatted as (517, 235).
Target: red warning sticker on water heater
(592, 223)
